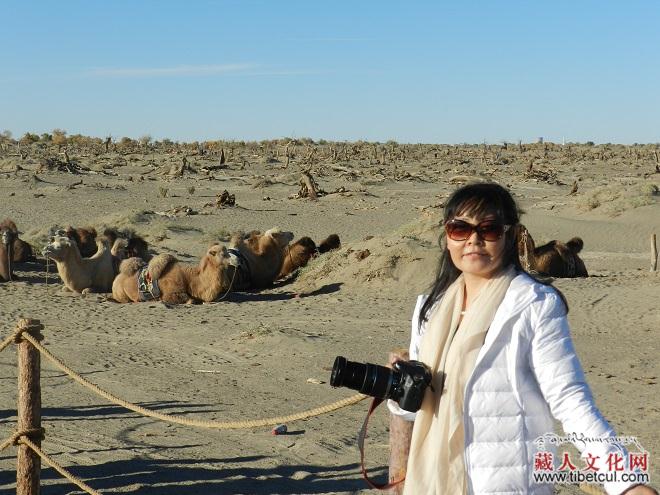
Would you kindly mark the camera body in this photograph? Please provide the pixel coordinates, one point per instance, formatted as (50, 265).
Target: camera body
(405, 383)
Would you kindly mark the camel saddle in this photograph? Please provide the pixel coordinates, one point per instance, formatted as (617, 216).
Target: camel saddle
(243, 277)
(147, 287)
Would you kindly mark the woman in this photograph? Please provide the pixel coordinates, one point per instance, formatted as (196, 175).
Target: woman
(503, 363)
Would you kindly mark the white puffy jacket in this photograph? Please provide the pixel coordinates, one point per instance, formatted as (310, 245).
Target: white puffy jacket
(526, 373)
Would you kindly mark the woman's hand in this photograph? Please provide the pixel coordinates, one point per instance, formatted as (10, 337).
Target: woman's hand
(397, 355)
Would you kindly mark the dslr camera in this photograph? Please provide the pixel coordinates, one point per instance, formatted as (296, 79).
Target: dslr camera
(405, 383)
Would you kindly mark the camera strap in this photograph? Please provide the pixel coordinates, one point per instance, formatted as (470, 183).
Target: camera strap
(362, 435)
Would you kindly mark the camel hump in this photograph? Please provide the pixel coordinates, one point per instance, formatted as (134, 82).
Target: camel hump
(278, 235)
(307, 243)
(130, 266)
(236, 239)
(159, 263)
(575, 245)
(102, 244)
(329, 243)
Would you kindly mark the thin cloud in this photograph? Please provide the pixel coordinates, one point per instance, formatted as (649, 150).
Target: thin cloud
(332, 40)
(181, 70)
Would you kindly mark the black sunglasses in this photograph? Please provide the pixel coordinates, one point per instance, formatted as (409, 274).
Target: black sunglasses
(488, 230)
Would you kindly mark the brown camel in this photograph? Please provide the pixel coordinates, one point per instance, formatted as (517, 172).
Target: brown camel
(299, 253)
(135, 246)
(554, 259)
(258, 258)
(85, 238)
(21, 249)
(83, 275)
(171, 281)
(7, 238)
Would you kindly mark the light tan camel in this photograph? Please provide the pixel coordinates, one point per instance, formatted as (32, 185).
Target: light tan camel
(554, 259)
(80, 274)
(258, 258)
(171, 281)
(299, 253)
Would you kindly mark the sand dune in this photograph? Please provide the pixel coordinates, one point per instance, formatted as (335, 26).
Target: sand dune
(252, 356)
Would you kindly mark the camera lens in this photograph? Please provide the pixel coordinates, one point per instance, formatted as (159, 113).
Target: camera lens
(369, 379)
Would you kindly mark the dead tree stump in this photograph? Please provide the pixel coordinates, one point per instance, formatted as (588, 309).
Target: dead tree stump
(308, 187)
(28, 463)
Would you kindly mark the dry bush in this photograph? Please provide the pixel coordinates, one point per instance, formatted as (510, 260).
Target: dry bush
(616, 199)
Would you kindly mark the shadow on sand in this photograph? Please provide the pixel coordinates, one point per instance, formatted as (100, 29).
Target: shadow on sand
(260, 296)
(205, 477)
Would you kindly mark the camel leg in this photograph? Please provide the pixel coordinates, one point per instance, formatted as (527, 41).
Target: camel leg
(400, 435)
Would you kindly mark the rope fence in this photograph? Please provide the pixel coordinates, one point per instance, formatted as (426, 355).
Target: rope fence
(30, 433)
(27, 334)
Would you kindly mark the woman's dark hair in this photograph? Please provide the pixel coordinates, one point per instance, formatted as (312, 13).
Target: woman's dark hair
(478, 200)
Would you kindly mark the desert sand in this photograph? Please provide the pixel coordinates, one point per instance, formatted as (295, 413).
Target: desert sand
(258, 355)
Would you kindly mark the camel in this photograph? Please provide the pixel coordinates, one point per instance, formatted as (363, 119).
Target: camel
(82, 275)
(171, 281)
(85, 238)
(7, 238)
(299, 253)
(22, 251)
(135, 246)
(259, 258)
(554, 259)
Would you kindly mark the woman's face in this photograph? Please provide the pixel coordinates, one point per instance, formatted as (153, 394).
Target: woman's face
(475, 256)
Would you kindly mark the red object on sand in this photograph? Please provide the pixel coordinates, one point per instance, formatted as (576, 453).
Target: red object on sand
(278, 430)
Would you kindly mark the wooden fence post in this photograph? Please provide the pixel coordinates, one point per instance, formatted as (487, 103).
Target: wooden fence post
(654, 254)
(28, 463)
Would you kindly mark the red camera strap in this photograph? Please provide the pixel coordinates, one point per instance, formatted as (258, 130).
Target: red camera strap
(362, 435)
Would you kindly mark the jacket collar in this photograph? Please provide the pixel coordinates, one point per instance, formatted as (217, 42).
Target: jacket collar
(519, 295)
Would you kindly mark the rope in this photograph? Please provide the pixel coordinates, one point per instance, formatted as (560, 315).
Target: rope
(57, 467)
(16, 436)
(47, 266)
(220, 425)
(24, 325)
(11, 339)
(231, 285)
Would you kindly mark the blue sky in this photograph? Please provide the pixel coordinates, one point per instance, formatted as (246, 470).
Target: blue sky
(441, 72)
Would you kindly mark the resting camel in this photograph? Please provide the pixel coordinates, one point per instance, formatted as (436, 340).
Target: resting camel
(7, 238)
(85, 238)
(80, 274)
(135, 246)
(171, 281)
(258, 259)
(299, 253)
(22, 250)
(554, 259)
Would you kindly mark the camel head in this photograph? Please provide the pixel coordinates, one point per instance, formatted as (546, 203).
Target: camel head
(59, 247)
(216, 257)
(281, 238)
(7, 236)
(8, 224)
(119, 248)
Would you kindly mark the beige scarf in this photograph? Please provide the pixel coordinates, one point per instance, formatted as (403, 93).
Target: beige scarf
(436, 463)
